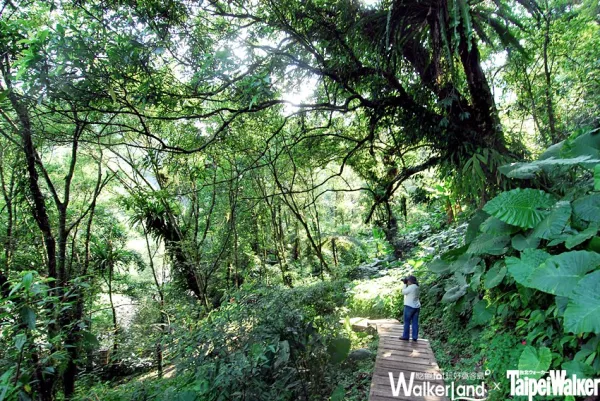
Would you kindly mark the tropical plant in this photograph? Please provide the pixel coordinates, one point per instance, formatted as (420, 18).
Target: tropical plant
(530, 249)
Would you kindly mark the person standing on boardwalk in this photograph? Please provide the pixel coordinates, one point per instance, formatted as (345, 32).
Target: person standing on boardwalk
(412, 306)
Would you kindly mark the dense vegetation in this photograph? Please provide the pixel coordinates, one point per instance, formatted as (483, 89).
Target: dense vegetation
(198, 196)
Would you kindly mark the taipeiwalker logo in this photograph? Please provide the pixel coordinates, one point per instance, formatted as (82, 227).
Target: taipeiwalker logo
(467, 392)
(555, 384)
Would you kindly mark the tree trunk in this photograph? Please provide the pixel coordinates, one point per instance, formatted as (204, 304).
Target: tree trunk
(46, 387)
(8, 194)
(554, 137)
(486, 114)
(334, 251)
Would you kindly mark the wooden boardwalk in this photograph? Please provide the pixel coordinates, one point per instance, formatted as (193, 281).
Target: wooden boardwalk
(396, 356)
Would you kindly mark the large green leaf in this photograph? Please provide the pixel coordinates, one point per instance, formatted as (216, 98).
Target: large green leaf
(439, 266)
(578, 368)
(587, 208)
(583, 236)
(338, 349)
(489, 244)
(587, 144)
(20, 340)
(495, 275)
(521, 268)
(535, 360)
(560, 274)
(482, 313)
(495, 226)
(524, 208)
(454, 254)
(474, 224)
(597, 177)
(464, 263)
(528, 170)
(583, 311)
(476, 278)
(561, 305)
(338, 394)
(455, 293)
(555, 222)
(27, 280)
(521, 242)
(28, 316)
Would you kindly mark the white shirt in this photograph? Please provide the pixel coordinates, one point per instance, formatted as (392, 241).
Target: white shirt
(411, 296)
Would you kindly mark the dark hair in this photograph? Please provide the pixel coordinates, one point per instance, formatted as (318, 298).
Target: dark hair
(412, 279)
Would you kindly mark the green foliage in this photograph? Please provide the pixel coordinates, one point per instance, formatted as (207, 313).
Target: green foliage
(231, 152)
(489, 244)
(536, 360)
(555, 222)
(263, 343)
(587, 208)
(536, 249)
(495, 275)
(501, 351)
(482, 313)
(524, 208)
(338, 349)
(521, 242)
(522, 268)
(528, 170)
(583, 311)
(559, 274)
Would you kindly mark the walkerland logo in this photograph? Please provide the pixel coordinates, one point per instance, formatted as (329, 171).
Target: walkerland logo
(555, 384)
(468, 392)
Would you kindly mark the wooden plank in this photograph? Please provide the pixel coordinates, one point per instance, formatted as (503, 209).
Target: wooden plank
(427, 367)
(407, 344)
(395, 347)
(383, 369)
(382, 379)
(404, 355)
(377, 394)
(411, 343)
(395, 356)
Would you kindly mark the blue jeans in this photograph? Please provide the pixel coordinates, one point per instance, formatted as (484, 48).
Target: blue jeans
(411, 316)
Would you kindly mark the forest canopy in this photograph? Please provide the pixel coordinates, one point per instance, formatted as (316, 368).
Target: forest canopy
(174, 172)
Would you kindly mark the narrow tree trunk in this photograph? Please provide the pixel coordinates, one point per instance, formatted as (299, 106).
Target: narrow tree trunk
(46, 387)
(547, 75)
(112, 308)
(161, 305)
(279, 246)
(8, 194)
(449, 211)
(334, 251)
